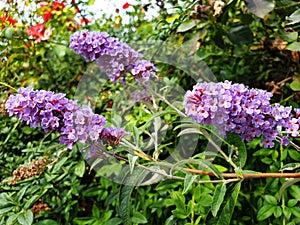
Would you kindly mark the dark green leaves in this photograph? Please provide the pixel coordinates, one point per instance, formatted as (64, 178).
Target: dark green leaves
(223, 216)
(240, 34)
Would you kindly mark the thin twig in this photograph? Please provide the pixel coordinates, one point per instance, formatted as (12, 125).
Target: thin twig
(7, 85)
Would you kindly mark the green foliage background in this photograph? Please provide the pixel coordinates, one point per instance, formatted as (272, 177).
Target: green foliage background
(237, 45)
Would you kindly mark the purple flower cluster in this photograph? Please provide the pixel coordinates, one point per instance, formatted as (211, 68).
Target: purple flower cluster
(113, 135)
(114, 57)
(54, 112)
(237, 108)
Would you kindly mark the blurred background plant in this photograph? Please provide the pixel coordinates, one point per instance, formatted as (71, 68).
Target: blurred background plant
(255, 42)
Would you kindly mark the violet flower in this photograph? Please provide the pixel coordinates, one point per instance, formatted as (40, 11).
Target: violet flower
(114, 57)
(54, 112)
(242, 110)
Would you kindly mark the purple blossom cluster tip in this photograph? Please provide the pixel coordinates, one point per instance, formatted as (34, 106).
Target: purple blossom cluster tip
(113, 135)
(239, 109)
(54, 112)
(114, 57)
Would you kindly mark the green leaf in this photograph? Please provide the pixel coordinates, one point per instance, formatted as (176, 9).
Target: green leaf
(21, 193)
(239, 147)
(260, 8)
(294, 155)
(290, 36)
(188, 181)
(181, 214)
(136, 136)
(95, 211)
(129, 182)
(287, 213)
(265, 212)
(84, 220)
(132, 159)
(296, 211)
(226, 209)
(294, 17)
(6, 200)
(288, 184)
(171, 220)
(240, 34)
(11, 219)
(292, 202)
(290, 166)
(263, 152)
(138, 218)
(80, 169)
(46, 222)
(185, 26)
(295, 84)
(26, 218)
(189, 131)
(32, 200)
(208, 165)
(277, 211)
(5, 210)
(295, 190)
(218, 199)
(59, 164)
(295, 46)
(270, 199)
(179, 200)
(114, 221)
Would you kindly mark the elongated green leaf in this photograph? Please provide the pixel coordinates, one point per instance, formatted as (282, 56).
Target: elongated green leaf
(21, 193)
(290, 166)
(294, 17)
(207, 164)
(218, 199)
(129, 183)
(260, 8)
(295, 46)
(32, 200)
(139, 218)
(136, 136)
(265, 212)
(286, 185)
(188, 181)
(189, 131)
(224, 214)
(132, 159)
(185, 26)
(5, 210)
(59, 164)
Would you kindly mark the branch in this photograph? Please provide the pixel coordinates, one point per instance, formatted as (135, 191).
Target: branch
(246, 175)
